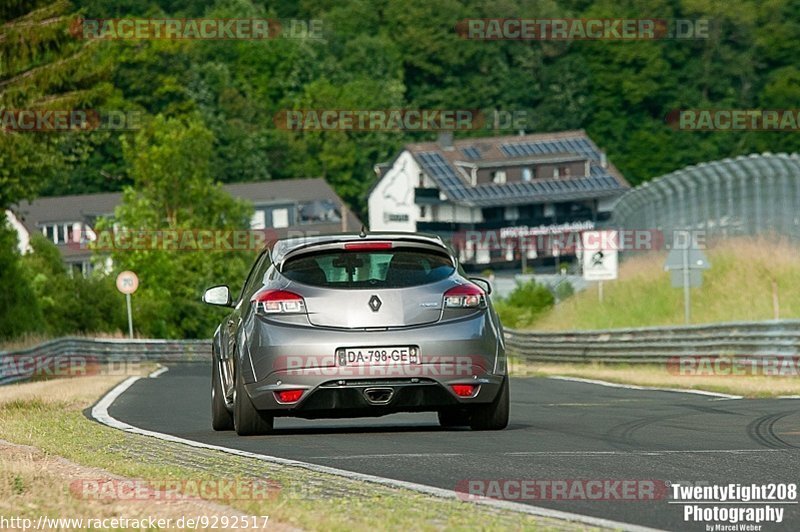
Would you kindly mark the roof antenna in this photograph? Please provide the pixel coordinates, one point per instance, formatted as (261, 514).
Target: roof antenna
(363, 233)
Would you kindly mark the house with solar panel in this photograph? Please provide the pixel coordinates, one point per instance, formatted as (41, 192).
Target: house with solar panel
(484, 195)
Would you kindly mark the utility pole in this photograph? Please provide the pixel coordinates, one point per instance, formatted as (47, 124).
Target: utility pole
(687, 292)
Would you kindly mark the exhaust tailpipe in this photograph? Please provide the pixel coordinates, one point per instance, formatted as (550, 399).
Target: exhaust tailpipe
(379, 396)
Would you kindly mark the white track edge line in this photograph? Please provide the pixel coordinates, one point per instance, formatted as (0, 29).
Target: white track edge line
(651, 388)
(160, 370)
(100, 413)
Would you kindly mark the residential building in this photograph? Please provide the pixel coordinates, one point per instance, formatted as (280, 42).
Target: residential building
(286, 206)
(485, 194)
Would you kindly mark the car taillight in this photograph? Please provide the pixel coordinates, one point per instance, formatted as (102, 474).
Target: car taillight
(278, 302)
(463, 390)
(288, 396)
(463, 296)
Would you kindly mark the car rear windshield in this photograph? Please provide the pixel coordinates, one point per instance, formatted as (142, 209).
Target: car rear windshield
(395, 268)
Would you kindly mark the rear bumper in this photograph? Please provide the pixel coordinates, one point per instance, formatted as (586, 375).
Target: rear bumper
(333, 399)
(290, 358)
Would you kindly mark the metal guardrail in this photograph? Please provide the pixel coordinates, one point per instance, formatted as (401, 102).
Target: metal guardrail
(640, 345)
(658, 344)
(22, 364)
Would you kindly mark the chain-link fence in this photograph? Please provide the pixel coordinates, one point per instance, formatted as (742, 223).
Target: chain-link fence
(752, 195)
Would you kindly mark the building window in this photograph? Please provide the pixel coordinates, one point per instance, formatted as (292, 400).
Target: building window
(62, 233)
(527, 174)
(259, 220)
(423, 211)
(492, 214)
(319, 211)
(280, 218)
(499, 177)
(561, 171)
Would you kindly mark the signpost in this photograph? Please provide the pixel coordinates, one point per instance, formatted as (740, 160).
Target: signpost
(599, 251)
(686, 263)
(127, 283)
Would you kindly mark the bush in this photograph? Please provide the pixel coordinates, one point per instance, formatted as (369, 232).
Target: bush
(526, 302)
(563, 290)
(72, 304)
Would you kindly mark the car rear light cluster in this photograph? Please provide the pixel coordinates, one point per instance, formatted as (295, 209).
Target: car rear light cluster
(288, 396)
(463, 390)
(279, 302)
(464, 296)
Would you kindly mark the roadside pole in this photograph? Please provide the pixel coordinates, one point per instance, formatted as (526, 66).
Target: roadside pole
(127, 283)
(130, 316)
(686, 262)
(687, 292)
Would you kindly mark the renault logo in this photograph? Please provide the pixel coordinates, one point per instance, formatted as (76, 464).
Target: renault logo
(375, 303)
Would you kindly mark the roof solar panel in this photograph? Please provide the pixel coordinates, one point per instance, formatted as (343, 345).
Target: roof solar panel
(472, 152)
(580, 146)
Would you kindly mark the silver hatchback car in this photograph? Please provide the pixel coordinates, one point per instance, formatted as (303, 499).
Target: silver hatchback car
(355, 325)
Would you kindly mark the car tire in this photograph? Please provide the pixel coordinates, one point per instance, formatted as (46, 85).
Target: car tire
(221, 418)
(247, 420)
(493, 416)
(453, 418)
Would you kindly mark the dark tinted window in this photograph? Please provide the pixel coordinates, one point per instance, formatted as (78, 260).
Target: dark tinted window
(256, 276)
(396, 268)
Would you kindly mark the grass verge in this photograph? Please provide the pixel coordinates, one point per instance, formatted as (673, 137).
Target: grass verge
(749, 280)
(751, 386)
(48, 416)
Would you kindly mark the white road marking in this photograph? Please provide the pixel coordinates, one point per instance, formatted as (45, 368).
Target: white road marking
(647, 453)
(158, 372)
(651, 388)
(550, 453)
(100, 413)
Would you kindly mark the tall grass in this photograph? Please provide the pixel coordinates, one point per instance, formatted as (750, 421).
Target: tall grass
(739, 286)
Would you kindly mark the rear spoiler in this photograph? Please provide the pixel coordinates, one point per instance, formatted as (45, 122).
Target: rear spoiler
(366, 245)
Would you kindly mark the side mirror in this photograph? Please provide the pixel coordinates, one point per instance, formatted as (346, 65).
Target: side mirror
(483, 283)
(218, 295)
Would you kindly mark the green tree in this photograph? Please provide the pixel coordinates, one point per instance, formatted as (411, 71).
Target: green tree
(173, 190)
(42, 66)
(19, 310)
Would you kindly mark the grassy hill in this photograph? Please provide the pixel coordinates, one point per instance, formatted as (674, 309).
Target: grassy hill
(739, 286)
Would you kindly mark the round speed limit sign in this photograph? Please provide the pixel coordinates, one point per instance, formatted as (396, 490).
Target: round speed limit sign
(127, 282)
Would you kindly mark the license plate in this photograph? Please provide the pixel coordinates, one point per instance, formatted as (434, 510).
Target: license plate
(378, 356)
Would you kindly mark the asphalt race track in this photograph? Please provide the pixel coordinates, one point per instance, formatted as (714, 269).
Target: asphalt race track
(559, 430)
